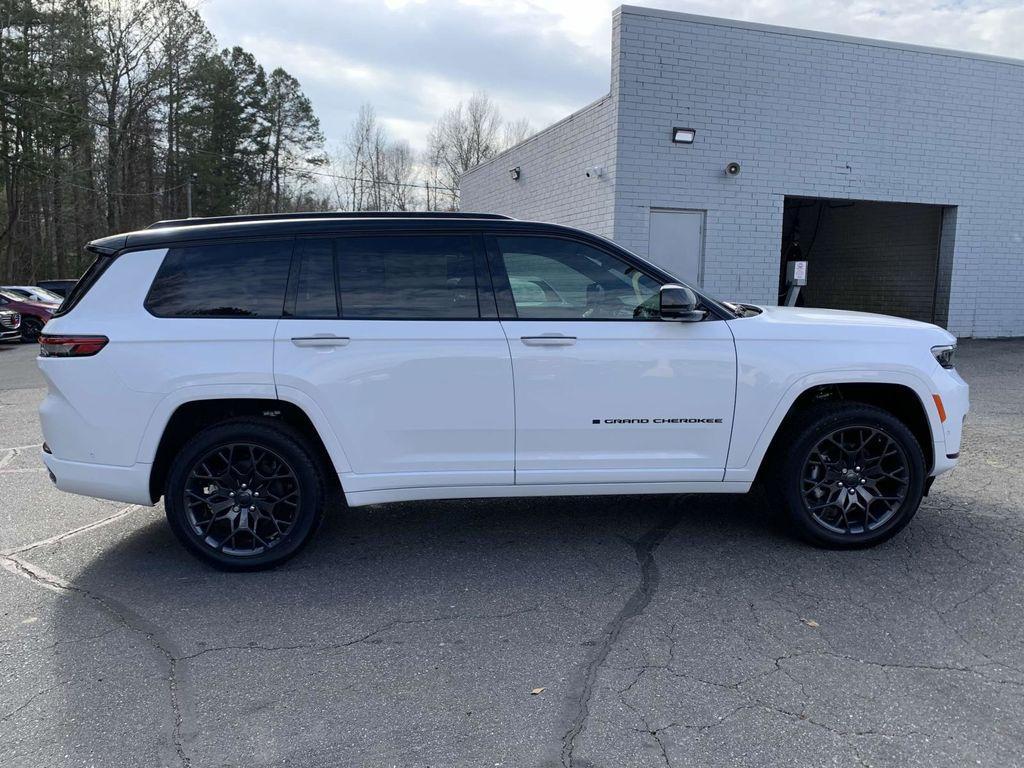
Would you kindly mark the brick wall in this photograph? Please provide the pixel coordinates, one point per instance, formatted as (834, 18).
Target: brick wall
(553, 185)
(821, 116)
(805, 114)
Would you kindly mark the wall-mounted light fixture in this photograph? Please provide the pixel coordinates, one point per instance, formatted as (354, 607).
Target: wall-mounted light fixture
(683, 135)
(596, 172)
(514, 173)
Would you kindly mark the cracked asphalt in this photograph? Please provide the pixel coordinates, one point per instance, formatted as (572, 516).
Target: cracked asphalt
(680, 631)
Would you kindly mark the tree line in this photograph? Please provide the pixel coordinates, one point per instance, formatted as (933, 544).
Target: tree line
(117, 113)
(376, 172)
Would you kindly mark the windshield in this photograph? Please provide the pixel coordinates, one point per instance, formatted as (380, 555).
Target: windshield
(46, 295)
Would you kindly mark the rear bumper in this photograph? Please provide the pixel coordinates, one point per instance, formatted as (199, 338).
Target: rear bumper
(129, 484)
(10, 335)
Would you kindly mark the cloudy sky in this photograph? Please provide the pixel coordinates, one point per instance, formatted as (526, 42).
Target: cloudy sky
(539, 59)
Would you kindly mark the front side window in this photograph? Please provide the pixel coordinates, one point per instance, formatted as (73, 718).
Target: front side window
(425, 277)
(222, 280)
(557, 279)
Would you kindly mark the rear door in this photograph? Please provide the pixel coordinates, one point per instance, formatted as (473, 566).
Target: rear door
(606, 391)
(395, 337)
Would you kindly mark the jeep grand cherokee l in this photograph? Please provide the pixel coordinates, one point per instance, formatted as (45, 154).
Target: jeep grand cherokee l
(244, 368)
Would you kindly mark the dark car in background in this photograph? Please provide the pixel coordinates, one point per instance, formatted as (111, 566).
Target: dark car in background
(10, 325)
(34, 314)
(60, 287)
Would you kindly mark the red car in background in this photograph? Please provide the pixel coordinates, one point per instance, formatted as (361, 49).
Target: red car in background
(34, 314)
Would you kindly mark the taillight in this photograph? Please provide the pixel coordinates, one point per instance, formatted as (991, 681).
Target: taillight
(70, 346)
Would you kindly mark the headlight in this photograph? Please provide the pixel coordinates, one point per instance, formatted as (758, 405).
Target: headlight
(945, 355)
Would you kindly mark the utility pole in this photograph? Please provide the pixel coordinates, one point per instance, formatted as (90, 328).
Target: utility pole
(188, 192)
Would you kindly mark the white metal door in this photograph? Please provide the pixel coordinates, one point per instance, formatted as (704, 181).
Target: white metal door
(621, 401)
(413, 403)
(676, 243)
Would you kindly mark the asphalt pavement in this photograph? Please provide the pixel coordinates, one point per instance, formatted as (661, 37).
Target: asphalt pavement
(612, 631)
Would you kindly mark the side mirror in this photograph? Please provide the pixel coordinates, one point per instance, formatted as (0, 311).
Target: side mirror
(677, 302)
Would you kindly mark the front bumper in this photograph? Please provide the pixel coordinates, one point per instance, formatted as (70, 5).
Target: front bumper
(955, 395)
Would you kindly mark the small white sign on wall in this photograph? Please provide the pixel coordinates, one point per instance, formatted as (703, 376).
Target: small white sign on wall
(796, 273)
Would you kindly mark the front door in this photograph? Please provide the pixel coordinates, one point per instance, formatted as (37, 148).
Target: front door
(605, 391)
(386, 335)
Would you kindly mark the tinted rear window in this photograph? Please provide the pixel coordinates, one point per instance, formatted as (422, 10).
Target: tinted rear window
(422, 277)
(222, 280)
(316, 294)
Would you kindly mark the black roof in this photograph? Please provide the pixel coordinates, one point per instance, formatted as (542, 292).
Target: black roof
(165, 233)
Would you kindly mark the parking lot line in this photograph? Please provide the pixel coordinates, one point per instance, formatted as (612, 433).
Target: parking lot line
(11, 453)
(75, 531)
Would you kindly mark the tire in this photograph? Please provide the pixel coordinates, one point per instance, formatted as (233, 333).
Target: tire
(31, 327)
(245, 495)
(846, 499)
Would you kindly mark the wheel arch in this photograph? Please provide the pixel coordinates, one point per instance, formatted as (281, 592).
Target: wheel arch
(191, 416)
(907, 398)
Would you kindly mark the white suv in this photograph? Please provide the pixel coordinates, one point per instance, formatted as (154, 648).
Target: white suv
(244, 368)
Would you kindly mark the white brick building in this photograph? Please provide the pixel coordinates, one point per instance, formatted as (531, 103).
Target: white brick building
(898, 169)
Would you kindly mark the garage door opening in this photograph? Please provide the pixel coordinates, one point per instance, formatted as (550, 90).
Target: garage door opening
(893, 258)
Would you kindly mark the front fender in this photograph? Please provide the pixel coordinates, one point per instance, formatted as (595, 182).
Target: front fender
(751, 439)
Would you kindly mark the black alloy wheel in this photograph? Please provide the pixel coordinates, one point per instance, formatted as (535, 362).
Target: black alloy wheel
(855, 480)
(846, 474)
(242, 499)
(245, 494)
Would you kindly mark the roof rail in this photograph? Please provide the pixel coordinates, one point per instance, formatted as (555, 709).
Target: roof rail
(195, 222)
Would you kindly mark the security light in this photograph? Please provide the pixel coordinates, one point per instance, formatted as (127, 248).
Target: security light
(514, 173)
(683, 135)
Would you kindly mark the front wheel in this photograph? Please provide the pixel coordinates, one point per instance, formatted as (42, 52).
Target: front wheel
(853, 475)
(245, 495)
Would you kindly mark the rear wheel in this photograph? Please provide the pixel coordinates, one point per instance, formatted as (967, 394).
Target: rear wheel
(852, 476)
(245, 495)
(31, 327)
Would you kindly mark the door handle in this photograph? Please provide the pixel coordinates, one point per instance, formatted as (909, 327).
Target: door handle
(548, 340)
(320, 341)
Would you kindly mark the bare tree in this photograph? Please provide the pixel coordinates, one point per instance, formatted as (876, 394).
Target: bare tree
(516, 132)
(360, 145)
(378, 174)
(462, 138)
(399, 177)
(128, 33)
